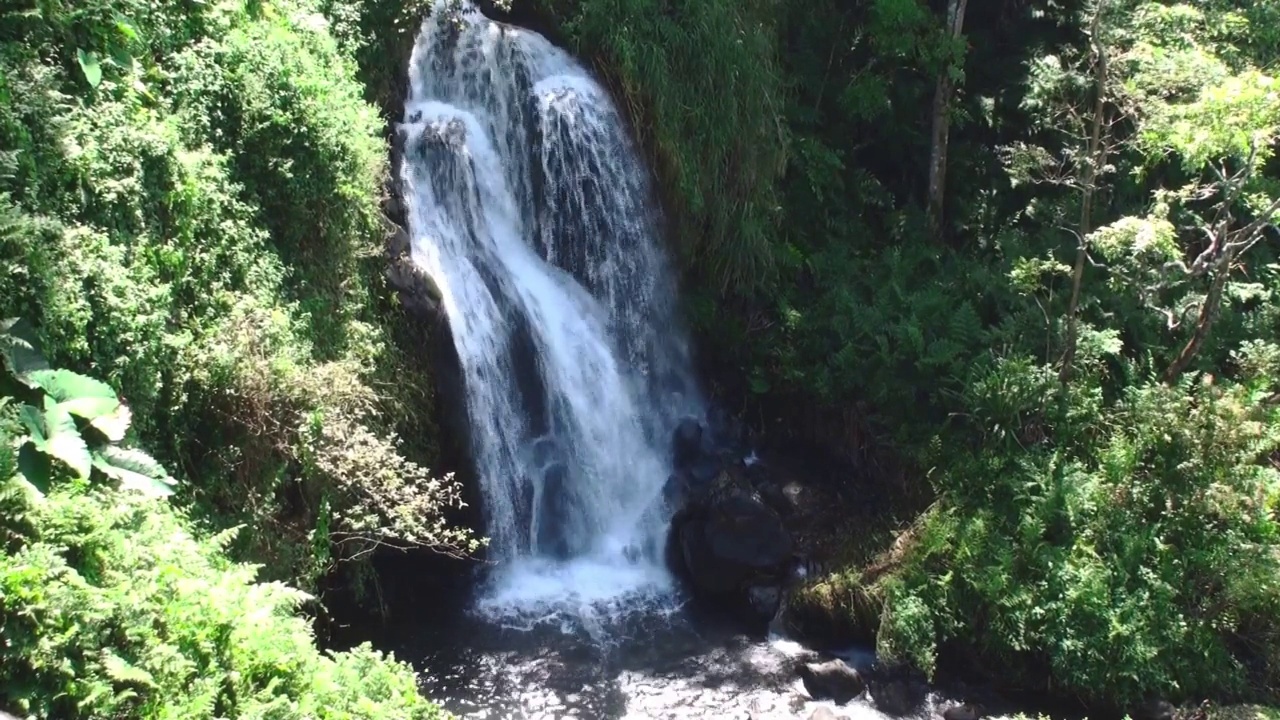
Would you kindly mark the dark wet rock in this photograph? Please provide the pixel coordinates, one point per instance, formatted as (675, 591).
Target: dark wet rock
(686, 443)
(898, 696)
(728, 431)
(758, 473)
(417, 291)
(967, 711)
(398, 242)
(1154, 709)
(555, 506)
(705, 469)
(393, 206)
(676, 491)
(832, 680)
(764, 600)
(726, 540)
(774, 496)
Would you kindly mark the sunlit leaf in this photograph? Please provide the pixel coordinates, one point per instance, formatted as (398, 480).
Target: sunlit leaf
(126, 29)
(90, 66)
(65, 386)
(113, 425)
(121, 671)
(91, 408)
(134, 470)
(63, 440)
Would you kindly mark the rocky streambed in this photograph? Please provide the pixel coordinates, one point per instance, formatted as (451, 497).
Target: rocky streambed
(713, 645)
(663, 662)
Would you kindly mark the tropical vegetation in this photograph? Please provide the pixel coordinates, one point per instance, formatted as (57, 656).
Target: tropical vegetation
(1018, 260)
(1013, 267)
(190, 239)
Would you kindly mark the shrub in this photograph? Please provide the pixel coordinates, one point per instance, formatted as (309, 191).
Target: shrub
(114, 608)
(1132, 553)
(189, 204)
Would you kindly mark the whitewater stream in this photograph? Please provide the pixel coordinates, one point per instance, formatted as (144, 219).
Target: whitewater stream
(530, 208)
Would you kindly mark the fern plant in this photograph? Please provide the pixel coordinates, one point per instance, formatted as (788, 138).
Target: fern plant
(74, 424)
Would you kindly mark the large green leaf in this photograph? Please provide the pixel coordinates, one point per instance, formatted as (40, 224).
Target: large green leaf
(62, 440)
(91, 408)
(113, 425)
(33, 420)
(66, 386)
(90, 66)
(134, 470)
(87, 398)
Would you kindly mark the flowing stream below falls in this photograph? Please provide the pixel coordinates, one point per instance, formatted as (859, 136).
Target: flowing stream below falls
(532, 212)
(679, 664)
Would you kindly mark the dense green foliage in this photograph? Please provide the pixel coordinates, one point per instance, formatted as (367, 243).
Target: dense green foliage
(189, 195)
(110, 604)
(189, 209)
(1075, 357)
(1078, 364)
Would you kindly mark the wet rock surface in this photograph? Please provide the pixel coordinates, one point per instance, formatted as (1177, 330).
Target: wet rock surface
(657, 666)
(832, 680)
(738, 531)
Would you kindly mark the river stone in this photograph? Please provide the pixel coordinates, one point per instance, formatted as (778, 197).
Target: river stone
(832, 680)
(825, 713)
(899, 697)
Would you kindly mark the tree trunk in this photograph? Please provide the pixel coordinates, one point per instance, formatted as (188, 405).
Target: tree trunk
(942, 124)
(1209, 312)
(1095, 159)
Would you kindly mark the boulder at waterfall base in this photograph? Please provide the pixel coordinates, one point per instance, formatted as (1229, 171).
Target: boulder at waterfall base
(832, 680)
(730, 547)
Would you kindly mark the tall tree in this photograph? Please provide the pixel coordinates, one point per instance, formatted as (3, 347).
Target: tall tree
(941, 123)
(1095, 158)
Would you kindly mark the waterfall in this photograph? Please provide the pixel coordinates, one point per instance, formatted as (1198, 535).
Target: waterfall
(530, 208)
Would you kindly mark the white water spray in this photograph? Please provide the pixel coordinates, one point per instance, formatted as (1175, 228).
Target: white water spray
(529, 207)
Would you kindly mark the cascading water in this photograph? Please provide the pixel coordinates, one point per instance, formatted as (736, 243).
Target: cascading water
(529, 207)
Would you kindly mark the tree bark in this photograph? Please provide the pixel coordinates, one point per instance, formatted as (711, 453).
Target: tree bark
(942, 96)
(1209, 312)
(1231, 244)
(1096, 157)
